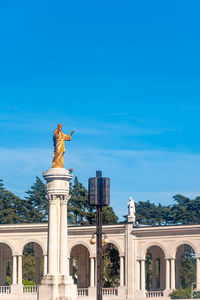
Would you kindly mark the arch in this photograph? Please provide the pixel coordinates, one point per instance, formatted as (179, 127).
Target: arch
(80, 265)
(32, 240)
(5, 264)
(76, 243)
(153, 244)
(33, 262)
(184, 242)
(111, 265)
(116, 246)
(155, 267)
(185, 255)
(9, 245)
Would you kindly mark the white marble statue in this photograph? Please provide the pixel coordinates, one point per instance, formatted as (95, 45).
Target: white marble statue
(131, 207)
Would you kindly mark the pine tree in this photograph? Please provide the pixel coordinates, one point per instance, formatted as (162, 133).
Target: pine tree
(79, 210)
(108, 215)
(36, 203)
(11, 207)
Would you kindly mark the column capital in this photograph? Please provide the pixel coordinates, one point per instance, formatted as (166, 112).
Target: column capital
(170, 258)
(64, 199)
(141, 259)
(52, 199)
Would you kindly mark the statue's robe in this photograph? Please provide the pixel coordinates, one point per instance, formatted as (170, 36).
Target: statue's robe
(59, 139)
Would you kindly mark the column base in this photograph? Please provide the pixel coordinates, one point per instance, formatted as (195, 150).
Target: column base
(92, 292)
(140, 294)
(57, 287)
(167, 292)
(122, 292)
(16, 289)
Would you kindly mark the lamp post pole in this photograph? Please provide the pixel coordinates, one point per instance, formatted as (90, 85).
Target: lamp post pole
(99, 252)
(99, 195)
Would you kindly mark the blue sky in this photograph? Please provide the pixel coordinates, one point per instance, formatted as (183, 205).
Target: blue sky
(124, 75)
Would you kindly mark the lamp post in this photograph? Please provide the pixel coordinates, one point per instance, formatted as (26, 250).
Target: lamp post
(99, 195)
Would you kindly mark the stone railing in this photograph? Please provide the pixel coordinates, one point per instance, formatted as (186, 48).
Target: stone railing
(82, 292)
(29, 289)
(110, 292)
(153, 294)
(5, 289)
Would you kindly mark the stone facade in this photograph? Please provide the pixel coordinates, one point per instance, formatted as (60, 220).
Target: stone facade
(165, 244)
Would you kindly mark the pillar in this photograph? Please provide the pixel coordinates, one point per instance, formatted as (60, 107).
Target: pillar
(138, 275)
(14, 269)
(71, 266)
(121, 271)
(53, 236)
(64, 269)
(162, 273)
(45, 264)
(177, 273)
(142, 275)
(2, 265)
(57, 282)
(37, 269)
(167, 274)
(153, 273)
(19, 269)
(198, 273)
(172, 274)
(92, 272)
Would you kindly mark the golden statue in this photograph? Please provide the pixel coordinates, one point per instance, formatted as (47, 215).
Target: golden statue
(59, 139)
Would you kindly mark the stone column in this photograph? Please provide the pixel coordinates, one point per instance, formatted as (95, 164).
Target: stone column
(2, 265)
(153, 273)
(53, 236)
(14, 269)
(45, 264)
(121, 271)
(172, 274)
(162, 273)
(143, 275)
(138, 275)
(19, 269)
(57, 283)
(92, 272)
(64, 269)
(198, 273)
(37, 269)
(177, 273)
(167, 274)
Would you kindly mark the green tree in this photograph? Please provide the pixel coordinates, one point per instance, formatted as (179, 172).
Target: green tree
(11, 207)
(109, 216)
(79, 210)
(29, 265)
(111, 266)
(149, 213)
(185, 210)
(187, 267)
(36, 203)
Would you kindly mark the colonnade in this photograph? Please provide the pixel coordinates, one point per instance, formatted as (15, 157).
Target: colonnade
(92, 271)
(17, 268)
(170, 279)
(86, 272)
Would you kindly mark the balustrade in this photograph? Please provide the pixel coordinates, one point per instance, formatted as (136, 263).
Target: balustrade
(5, 289)
(154, 294)
(110, 292)
(30, 289)
(82, 292)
